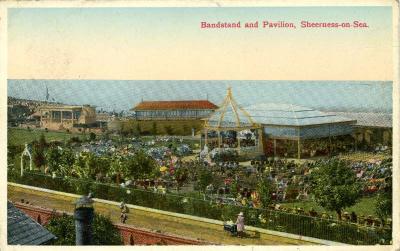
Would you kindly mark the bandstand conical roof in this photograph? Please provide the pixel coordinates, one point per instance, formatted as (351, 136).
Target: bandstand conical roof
(230, 116)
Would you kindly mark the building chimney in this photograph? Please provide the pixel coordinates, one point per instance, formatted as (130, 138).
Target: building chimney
(83, 216)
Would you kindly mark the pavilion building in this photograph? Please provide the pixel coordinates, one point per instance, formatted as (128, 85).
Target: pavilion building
(277, 130)
(372, 128)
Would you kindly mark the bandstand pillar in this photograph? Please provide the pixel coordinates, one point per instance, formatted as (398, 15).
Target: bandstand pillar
(260, 141)
(298, 144)
(299, 149)
(256, 140)
(355, 143)
(238, 139)
(219, 139)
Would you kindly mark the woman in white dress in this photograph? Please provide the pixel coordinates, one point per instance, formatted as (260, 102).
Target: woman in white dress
(240, 224)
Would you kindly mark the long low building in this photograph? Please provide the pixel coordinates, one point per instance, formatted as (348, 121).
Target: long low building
(371, 127)
(173, 110)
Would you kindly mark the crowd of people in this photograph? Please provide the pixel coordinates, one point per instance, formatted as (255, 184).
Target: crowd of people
(236, 182)
(372, 174)
(293, 183)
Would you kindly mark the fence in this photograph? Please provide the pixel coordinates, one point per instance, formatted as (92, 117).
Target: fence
(268, 219)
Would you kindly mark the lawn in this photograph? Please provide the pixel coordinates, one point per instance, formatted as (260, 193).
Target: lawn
(366, 206)
(19, 136)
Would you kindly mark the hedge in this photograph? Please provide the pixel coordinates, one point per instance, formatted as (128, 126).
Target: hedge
(304, 225)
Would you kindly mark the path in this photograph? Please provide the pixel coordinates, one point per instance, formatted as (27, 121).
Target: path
(154, 221)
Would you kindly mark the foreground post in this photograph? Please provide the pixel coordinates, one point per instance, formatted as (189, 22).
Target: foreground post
(83, 216)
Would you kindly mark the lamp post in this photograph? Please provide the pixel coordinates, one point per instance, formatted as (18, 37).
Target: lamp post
(83, 215)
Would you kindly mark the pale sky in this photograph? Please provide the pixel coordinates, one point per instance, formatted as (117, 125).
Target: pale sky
(168, 44)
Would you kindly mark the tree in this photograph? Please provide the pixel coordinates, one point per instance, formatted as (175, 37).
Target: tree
(292, 192)
(383, 206)
(66, 162)
(127, 128)
(38, 156)
(60, 160)
(168, 129)
(103, 231)
(92, 136)
(79, 168)
(140, 165)
(53, 159)
(106, 134)
(13, 151)
(138, 130)
(38, 153)
(102, 165)
(234, 187)
(335, 186)
(154, 128)
(186, 130)
(205, 179)
(63, 228)
(265, 188)
(181, 175)
(42, 141)
(96, 165)
(117, 168)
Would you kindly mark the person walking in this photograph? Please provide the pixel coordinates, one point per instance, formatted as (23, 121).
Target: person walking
(124, 211)
(240, 225)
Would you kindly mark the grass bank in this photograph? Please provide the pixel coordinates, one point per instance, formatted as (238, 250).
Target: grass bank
(20, 136)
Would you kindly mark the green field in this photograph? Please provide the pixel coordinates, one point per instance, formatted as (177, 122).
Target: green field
(19, 136)
(366, 206)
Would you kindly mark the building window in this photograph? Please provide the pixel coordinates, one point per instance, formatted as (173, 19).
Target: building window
(56, 116)
(67, 115)
(77, 114)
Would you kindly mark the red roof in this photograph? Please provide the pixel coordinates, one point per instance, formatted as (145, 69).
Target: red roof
(176, 105)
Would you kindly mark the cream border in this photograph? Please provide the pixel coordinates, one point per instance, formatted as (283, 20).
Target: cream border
(199, 3)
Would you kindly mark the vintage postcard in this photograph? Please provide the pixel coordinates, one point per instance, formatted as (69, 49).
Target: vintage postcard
(200, 124)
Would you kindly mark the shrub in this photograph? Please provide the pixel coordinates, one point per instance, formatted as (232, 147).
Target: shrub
(168, 130)
(92, 136)
(103, 230)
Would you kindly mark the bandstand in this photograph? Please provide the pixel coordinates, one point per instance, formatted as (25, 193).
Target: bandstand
(225, 128)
